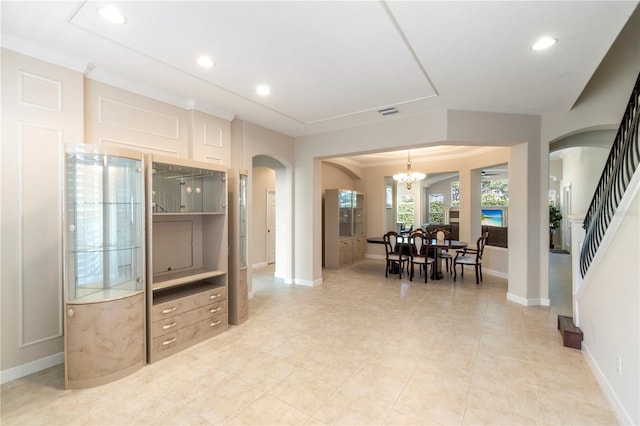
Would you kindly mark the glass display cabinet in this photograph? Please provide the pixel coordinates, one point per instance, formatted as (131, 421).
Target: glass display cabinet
(104, 279)
(360, 241)
(238, 287)
(344, 240)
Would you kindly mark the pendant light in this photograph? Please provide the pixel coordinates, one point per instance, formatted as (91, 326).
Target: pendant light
(409, 177)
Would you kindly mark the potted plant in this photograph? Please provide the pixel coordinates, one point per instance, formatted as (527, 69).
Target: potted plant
(554, 222)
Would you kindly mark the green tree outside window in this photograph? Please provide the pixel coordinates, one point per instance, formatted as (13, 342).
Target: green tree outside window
(406, 209)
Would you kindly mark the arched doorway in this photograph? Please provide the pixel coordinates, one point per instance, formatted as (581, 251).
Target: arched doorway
(271, 216)
(575, 164)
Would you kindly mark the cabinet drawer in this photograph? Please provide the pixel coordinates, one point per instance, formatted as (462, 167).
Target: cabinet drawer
(173, 342)
(176, 322)
(180, 305)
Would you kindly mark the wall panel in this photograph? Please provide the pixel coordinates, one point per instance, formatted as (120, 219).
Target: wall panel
(40, 233)
(118, 117)
(211, 139)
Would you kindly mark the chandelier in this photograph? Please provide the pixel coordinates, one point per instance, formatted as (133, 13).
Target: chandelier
(409, 177)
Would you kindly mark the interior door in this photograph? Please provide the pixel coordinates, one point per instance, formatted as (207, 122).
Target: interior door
(271, 226)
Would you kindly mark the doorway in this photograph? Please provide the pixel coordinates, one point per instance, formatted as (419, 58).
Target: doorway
(271, 226)
(271, 216)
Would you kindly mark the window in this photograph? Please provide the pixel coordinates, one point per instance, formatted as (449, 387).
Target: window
(552, 197)
(494, 192)
(455, 194)
(406, 209)
(436, 208)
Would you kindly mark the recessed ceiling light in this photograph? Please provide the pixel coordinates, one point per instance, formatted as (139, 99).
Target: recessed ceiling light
(263, 90)
(205, 62)
(111, 14)
(544, 43)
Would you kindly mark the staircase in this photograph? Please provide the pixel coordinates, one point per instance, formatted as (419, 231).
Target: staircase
(621, 164)
(619, 170)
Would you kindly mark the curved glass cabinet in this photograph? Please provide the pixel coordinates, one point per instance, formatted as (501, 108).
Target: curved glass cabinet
(104, 264)
(238, 285)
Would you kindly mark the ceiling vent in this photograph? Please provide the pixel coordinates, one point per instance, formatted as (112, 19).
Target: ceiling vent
(388, 111)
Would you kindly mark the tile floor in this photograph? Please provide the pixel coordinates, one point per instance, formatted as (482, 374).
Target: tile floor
(360, 349)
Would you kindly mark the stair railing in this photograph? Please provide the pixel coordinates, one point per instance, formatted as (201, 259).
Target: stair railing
(621, 164)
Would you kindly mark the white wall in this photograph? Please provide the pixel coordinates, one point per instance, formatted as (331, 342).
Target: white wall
(581, 168)
(609, 306)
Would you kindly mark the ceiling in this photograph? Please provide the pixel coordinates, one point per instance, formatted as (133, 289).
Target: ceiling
(430, 153)
(330, 64)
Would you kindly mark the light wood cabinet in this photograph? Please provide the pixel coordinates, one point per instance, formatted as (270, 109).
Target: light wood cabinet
(104, 280)
(187, 315)
(187, 258)
(343, 227)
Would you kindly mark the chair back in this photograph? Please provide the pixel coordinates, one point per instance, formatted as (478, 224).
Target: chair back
(420, 245)
(390, 240)
(482, 241)
(442, 238)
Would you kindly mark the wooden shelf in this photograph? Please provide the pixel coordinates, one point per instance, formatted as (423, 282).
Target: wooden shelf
(171, 279)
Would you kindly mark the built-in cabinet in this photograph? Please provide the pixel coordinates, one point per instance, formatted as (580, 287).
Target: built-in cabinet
(187, 258)
(104, 264)
(145, 259)
(238, 249)
(344, 240)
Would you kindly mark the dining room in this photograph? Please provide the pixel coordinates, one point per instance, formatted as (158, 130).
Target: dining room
(450, 173)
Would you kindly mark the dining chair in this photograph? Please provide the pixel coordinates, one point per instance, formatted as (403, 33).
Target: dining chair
(419, 254)
(394, 253)
(442, 237)
(470, 256)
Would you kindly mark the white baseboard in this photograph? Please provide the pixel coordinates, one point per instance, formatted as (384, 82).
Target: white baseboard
(375, 256)
(308, 283)
(517, 299)
(528, 302)
(31, 367)
(621, 413)
(495, 273)
(259, 265)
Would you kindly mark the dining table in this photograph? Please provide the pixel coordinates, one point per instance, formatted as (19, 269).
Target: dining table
(435, 248)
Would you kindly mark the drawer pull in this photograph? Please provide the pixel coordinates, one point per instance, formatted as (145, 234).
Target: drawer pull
(213, 324)
(168, 342)
(168, 326)
(168, 311)
(215, 296)
(212, 310)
